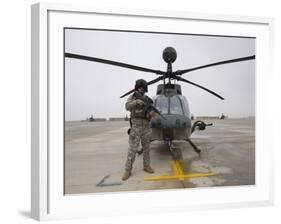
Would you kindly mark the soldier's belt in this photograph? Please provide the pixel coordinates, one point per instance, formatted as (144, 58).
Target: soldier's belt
(139, 120)
(139, 117)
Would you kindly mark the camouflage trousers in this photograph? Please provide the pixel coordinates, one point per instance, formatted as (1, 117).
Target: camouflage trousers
(140, 133)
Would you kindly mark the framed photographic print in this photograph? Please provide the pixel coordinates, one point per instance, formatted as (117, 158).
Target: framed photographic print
(165, 110)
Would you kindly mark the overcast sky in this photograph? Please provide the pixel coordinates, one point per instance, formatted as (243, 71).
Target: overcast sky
(95, 88)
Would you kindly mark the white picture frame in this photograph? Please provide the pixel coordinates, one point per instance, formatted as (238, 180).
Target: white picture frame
(48, 201)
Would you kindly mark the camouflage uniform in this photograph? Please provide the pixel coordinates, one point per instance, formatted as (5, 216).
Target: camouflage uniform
(140, 132)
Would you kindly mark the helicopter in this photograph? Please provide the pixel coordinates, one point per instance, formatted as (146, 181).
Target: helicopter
(174, 121)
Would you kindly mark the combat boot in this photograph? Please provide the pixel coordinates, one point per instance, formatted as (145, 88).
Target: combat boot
(148, 169)
(126, 175)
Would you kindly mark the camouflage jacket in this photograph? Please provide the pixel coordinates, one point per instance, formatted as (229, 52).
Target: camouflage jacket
(135, 112)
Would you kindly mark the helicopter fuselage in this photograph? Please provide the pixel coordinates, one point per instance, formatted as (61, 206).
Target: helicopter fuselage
(174, 107)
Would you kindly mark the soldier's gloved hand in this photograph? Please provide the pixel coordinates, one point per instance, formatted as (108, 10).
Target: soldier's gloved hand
(138, 104)
(151, 114)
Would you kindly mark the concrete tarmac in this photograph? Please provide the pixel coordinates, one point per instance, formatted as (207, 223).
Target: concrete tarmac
(95, 155)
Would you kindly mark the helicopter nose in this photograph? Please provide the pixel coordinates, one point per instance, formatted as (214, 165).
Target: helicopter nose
(169, 54)
(171, 122)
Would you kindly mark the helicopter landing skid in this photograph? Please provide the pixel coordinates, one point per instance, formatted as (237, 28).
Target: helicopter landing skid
(198, 151)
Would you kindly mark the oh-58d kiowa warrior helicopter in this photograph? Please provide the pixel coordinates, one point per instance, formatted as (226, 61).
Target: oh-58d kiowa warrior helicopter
(174, 122)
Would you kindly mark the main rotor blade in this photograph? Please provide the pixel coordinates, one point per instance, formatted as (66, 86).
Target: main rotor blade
(116, 63)
(156, 80)
(192, 83)
(180, 72)
(149, 83)
(127, 93)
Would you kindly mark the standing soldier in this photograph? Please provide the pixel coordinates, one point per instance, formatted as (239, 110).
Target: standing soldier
(140, 130)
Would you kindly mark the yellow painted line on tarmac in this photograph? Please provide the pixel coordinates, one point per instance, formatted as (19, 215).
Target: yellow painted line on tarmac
(175, 169)
(178, 169)
(179, 174)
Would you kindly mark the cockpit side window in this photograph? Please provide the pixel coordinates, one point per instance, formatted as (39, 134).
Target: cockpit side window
(176, 105)
(161, 103)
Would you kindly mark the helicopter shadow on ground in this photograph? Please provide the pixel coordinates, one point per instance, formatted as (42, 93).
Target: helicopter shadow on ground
(183, 150)
(191, 162)
(207, 162)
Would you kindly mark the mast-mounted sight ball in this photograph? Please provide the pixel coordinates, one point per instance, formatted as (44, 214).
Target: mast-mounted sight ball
(169, 54)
